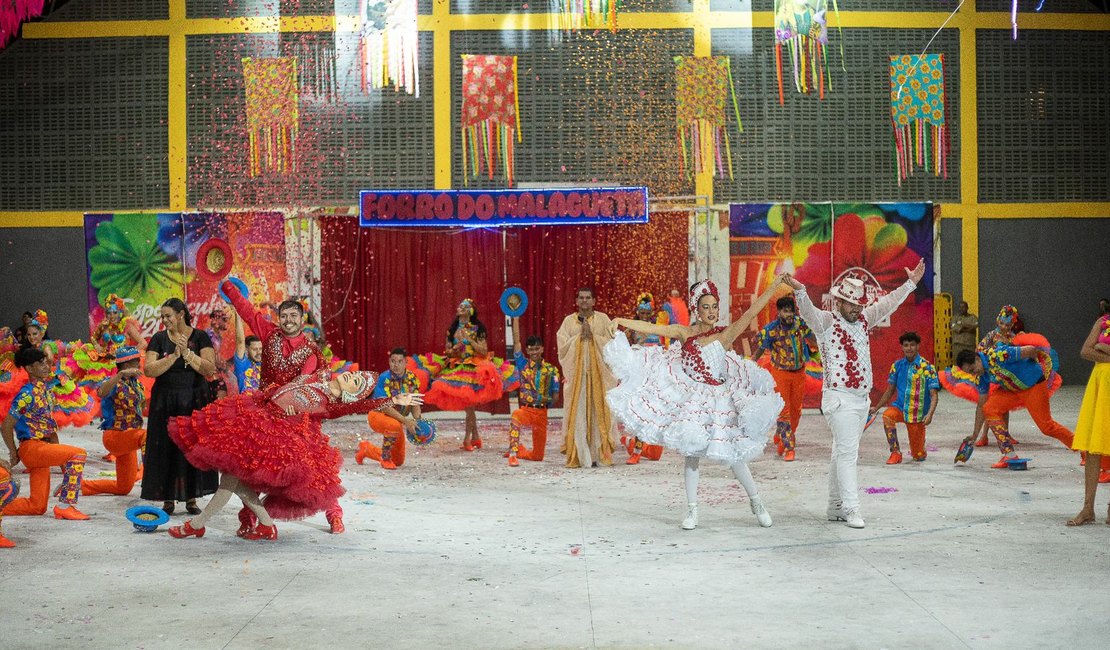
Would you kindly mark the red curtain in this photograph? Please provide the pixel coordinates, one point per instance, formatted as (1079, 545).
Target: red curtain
(383, 288)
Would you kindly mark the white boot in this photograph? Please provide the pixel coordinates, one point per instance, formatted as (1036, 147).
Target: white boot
(691, 520)
(760, 512)
(853, 518)
(835, 511)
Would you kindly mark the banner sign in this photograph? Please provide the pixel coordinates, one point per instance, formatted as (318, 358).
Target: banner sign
(492, 208)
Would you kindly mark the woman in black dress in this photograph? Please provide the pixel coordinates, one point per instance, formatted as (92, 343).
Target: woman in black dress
(179, 358)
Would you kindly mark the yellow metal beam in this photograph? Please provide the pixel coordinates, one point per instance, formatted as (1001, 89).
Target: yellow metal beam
(969, 163)
(177, 109)
(441, 96)
(41, 219)
(1044, 210)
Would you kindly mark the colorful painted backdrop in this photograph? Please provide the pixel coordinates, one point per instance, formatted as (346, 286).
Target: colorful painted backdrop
(149, 258)
(824, 242)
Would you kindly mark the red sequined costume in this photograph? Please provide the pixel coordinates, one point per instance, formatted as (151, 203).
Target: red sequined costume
(285, 456)
(284, 358)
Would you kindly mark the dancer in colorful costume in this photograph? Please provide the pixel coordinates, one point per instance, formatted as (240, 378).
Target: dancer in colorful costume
(392, 422)
(788, 340)
(116, 330)
(1092, 431)
(698, 398)
(73, 407)
(645, 311)
(539, 388)
(588, 425)
(466, 374)
(915, 381)
(121, 408)
(31, 420)
(1005, 329)
(1023, 374)
(843, 336)
(287, 353)
(247, 362)
(9, 490)
(270, 441)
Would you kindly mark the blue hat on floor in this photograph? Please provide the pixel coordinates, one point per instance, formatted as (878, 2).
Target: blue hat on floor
(146, 519)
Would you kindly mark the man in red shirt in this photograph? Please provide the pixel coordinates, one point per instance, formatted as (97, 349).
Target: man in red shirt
(286, 355)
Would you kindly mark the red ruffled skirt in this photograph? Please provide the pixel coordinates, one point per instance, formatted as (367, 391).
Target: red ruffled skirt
(287, 457)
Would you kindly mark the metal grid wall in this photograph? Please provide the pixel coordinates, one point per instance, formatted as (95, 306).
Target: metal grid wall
(595, 108)
(835, 149)
(81, 10)
(255, 8)
(845, 5)
(83, 122)
(1027, 7)
(1044, 103)
(346, 143)
(552, 6)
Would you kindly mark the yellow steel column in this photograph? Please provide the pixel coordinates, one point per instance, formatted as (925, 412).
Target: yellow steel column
(175, 119)
(969, 159)
(441, 92)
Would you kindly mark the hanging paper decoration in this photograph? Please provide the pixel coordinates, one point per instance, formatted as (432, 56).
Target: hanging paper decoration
(389, 47)
(576, 15)
(802, 26)
(917, 113)
(490, 113)
(14, 13)
(702, 88)
(316, 69)
(272, 120)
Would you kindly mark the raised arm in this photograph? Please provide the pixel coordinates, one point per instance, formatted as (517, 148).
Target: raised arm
(669, 331)
(245, 310)
(517, 347)
(240, 337)
(887, 305)
(818, 320)
(737, 328)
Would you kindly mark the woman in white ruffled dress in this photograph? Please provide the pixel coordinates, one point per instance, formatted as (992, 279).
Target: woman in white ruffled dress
(697, 397)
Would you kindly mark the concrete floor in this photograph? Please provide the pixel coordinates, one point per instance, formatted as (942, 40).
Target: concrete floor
(459, 550)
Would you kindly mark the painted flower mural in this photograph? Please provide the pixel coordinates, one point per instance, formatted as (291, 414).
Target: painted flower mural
(128, 261)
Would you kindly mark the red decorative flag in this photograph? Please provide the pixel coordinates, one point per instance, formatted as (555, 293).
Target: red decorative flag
(490, 113)
(272, 117)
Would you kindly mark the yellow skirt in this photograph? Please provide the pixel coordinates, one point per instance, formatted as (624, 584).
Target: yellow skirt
(1092, 433)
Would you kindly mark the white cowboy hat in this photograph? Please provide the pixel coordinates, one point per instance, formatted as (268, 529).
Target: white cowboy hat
(850, 290)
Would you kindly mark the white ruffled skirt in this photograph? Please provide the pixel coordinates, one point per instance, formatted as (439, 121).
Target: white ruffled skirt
(662, 405)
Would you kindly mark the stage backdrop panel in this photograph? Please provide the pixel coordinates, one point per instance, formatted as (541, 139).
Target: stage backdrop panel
(825, 242)
(147, 259)
(386, 287)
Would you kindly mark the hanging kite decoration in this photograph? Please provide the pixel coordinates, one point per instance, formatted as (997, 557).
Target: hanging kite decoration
(802, 26)
(389, 46)
(917, 113)
(272, 119)
(575, 15)
(703, 86)
(490, 114)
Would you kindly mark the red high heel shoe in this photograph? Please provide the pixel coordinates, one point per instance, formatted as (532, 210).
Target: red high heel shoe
(477, 443)
(268, 533)
(247, 522)
(186, 530)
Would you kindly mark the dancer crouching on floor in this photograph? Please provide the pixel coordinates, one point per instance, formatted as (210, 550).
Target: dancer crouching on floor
(702, 399)
(271, 442)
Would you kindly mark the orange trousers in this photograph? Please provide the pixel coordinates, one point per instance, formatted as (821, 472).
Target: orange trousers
(39, 456)
(124, 444)
(1035, 400)
(393, 438)
(791, 386)
(536, 419)
(916, 431)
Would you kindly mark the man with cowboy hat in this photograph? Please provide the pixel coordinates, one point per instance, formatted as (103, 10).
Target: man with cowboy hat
(843, 335)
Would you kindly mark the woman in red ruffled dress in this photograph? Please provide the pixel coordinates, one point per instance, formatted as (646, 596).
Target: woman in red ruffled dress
(271, 442)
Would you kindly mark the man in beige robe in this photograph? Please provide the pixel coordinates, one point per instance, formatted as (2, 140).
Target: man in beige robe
(590, 432)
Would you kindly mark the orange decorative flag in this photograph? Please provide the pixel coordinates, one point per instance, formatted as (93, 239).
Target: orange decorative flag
(272, 118)
(490, 113)
(703, 86)
(917, 113)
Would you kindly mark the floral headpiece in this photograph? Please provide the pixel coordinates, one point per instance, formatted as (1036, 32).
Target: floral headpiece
(40, 320)
(645, 301)
(468, 303)
(703, 288)
(367, 388)
(114, 304)
(311, 329)
(127, 353)
(1007, 315)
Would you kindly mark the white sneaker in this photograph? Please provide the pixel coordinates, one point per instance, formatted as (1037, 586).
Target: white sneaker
(853, 518)
(835, 511)
(760, 512)
(691, 520)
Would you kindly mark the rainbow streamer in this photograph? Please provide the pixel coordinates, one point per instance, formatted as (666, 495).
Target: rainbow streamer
(576, 15)
(802, 26)
(389, 48)
(921, 136)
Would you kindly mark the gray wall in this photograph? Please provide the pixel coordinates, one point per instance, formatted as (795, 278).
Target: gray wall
(1054, 271)
(951, 259)
(44, 268)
